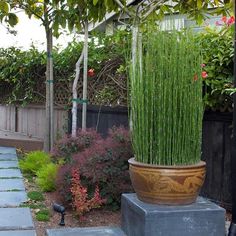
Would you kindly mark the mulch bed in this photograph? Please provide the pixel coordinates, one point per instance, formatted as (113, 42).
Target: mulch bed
(96, 217)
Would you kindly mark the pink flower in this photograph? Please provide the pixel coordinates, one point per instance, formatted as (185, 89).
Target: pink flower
(203, 65)
(231, 20)
(91, 73)
(218, 23)
(224, 19)
(204, 74)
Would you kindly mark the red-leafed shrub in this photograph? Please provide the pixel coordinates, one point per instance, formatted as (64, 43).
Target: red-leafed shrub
(104, 163)
(80, 200)
(66, 147)
(63, 183)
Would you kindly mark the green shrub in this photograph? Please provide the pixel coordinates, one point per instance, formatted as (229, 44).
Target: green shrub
(46, 177)
(34, 161)
(35, 196)
(217, 47)
(43, 215)
(33, 205)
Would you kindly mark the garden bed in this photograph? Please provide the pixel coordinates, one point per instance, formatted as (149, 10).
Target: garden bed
(97, 217)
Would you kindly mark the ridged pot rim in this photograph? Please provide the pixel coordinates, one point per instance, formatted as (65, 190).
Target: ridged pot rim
(133, 162)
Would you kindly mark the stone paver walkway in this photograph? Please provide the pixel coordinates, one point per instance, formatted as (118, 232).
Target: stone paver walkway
(88, 231)
(14, 220)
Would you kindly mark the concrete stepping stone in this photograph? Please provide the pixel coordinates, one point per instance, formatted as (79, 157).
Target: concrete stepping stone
(9, 164)
(87, 231)
(11, 184)
(12, 199)
(9, 150)
(8, 157)
(18, 233)
(10, 173)
(15, 219)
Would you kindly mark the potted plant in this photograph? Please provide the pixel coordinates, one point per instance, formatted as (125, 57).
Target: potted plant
(166, 114)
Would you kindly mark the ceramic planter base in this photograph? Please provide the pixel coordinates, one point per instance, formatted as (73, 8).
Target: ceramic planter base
(202, 218)
(167, 185)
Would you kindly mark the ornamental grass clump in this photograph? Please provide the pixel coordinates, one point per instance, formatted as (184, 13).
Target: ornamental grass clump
(166, 98)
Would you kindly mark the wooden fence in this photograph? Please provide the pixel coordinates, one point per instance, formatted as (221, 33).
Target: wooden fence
(30, 120)
(216, 146)
(216, 151)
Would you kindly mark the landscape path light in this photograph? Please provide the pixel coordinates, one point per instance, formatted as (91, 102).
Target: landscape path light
(60, 209)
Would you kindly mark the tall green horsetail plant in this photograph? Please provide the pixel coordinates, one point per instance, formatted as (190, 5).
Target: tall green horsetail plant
(166, 99)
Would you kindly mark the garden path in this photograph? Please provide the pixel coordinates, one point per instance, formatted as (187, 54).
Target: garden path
(14, 220)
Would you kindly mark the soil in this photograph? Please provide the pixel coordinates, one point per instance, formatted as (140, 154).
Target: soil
(96, 217)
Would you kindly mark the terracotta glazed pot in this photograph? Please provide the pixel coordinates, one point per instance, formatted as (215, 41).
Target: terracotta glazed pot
(167, 185)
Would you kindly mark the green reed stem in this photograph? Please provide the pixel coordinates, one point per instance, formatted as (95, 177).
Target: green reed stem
(166, 100)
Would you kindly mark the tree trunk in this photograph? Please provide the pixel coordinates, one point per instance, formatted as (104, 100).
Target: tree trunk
(85, 75)
(75, 95)
(51, 85)
(47, 108)
(49, 132)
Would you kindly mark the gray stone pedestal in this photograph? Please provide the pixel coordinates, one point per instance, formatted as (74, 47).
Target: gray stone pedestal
(202, 218)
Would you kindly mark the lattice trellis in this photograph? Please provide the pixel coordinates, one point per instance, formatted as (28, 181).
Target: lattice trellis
(106, 88)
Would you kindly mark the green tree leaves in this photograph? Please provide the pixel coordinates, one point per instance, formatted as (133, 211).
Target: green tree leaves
(4, 8)
(95, 2)
(6, 15)
(197, 10)
(12, 19)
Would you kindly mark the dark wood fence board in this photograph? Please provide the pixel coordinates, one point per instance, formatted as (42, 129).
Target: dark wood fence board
(226, 180)
(102, 118)
(212, 154)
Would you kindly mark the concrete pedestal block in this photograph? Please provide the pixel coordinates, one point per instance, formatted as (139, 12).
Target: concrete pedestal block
(202, 218)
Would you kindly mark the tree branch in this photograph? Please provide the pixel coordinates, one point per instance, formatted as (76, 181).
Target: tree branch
(78, 63)
(25, 7)
(152, 8)
(124, 8)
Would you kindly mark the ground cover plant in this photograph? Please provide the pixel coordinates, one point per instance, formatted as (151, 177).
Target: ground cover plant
(46, 177)
(38, 165)
(34, 161)
(38, 168)
(35, 196)
(35, 202)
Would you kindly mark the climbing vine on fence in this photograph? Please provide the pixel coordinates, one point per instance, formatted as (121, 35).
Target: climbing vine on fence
(22, 73)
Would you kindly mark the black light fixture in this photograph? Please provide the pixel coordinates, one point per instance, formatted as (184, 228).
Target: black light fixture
(60, 209)
(232, 228)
